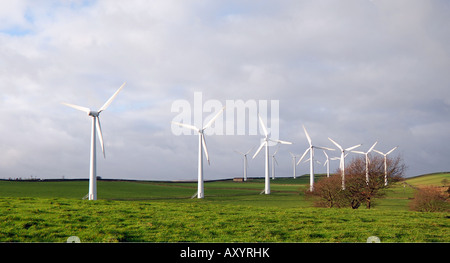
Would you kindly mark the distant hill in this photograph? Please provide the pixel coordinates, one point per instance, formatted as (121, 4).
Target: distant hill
(435, 179)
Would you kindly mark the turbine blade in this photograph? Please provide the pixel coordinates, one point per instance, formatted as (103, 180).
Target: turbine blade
(335, 143)
(358, 152)
(275, 159)
(213, 119)
(111, 99)
(307, 136)
(204, 148)
(100, 136)
(236, 151)
(371, 148)
(378, 152)
(249, 150)
(353, 147)
(392, 150)
(276, 151)
(262, 125)
(282, 142)
(259, 149)
(324, 152)
(186, 126)
(324, 148)
(301, 158)
(87, 110)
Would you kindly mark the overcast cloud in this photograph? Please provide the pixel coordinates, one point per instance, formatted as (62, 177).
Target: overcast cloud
(355, 71)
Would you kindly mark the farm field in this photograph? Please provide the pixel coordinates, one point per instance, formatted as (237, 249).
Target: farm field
(130, 211)
(431, 179)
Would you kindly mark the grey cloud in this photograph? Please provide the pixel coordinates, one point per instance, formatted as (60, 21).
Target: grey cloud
(355, 71)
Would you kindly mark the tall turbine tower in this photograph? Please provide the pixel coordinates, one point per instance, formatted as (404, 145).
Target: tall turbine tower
(265, 142)
(245, 161)
(201, 147)
(95, 128)
(294, 163)
(311, 159)
(342, 163)
(385, 163)
(274, 161)
(327, 163)
(366, 154)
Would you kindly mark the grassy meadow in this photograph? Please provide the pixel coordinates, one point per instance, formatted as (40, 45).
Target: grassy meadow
(136, 211)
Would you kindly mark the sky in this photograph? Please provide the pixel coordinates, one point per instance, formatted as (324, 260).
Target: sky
(355, 71)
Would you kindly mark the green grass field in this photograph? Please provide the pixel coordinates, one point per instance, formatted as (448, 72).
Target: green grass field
(431, 179)
(129, 211)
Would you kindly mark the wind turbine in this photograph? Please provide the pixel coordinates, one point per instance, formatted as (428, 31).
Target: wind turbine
(336, 158)
(311, 159)
(201, 147)
(274, 161)
(95, 128)
(265, 142)
(343, 155)
(245, 161)
(327, 163)
(385, 162)
(294, 162)
(367, 160)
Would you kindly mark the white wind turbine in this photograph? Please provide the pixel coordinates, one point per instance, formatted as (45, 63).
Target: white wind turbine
(385, 162)
(265, 142)
(366, 154)
(274, 161)
(336, 158)
(311, 159)
(95, 128)
(294, 163)
(327, 163)
(342, 163)
(201, 147)
(245, 161)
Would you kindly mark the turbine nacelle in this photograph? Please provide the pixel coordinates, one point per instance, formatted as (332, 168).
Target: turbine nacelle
(93, 113)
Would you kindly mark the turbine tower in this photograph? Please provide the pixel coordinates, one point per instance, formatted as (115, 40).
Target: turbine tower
(336, 158)
(265, 142)
(327, 163)
(95, 128)
(294, 163)
(245, 161)
(311, 159)
(366, 154)
(201, 147)
(342, 163)
(274, 161)
(385, 162)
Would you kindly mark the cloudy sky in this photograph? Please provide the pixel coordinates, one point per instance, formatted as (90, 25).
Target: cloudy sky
(356, 71)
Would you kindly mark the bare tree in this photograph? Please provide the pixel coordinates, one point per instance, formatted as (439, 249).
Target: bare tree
(431, 199)
(329, 191)
(358, 190)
